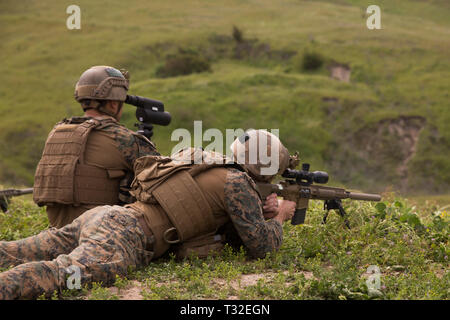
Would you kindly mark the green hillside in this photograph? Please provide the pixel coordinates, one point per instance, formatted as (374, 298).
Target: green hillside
(387, 127)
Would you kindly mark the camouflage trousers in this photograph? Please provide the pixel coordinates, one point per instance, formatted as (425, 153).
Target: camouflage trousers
(100, 244)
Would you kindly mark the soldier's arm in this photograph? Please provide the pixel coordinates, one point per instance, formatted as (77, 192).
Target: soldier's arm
(132, 146)
(145, 146)
(244, 207)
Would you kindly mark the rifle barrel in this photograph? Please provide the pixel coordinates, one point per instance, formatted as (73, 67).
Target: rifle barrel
(364, 196)
(15, 192)
(328, 193)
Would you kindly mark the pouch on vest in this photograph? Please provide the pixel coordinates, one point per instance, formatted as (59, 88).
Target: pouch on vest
(151, 171)
(169, 182)
(186, 206)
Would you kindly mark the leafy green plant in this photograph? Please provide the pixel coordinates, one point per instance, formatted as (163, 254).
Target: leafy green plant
(121, 283)
(98, 292)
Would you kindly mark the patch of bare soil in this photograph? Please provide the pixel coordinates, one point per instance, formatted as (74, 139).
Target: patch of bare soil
(247, 280)
(131, 292)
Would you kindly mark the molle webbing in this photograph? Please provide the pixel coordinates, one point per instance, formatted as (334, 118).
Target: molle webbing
(169, 182)
(186, 206)
(63, 177)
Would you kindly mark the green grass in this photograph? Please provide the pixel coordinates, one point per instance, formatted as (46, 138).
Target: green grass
(401, 70)
(409, 244)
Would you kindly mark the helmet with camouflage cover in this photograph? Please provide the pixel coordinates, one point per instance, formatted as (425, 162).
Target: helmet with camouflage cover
(101, 83)
(261, 154)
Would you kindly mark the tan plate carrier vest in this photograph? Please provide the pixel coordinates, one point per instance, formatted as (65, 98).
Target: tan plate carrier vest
(63, 177)
(188, 215)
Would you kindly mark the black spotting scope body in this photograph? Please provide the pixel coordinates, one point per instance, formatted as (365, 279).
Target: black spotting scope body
(149, 111)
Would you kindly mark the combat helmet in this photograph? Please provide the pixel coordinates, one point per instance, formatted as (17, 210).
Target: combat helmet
(101, 83)
(261, 154)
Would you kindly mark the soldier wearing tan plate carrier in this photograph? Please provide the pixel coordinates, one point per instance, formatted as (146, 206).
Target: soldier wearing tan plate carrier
(88, 160)
(190, 203)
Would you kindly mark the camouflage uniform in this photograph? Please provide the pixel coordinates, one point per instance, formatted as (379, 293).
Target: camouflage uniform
(106, 240)
(102, 242)
(84, 159)
(112, 147)
(244, 207)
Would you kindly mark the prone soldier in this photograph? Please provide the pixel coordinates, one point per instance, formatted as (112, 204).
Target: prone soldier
(191, 202)
(87, 161)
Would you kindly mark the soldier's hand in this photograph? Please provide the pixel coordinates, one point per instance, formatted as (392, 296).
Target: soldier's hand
(285, 211)
(270, 208)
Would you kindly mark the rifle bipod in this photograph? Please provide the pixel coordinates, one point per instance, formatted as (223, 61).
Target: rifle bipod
(3, 204)
(335, 204)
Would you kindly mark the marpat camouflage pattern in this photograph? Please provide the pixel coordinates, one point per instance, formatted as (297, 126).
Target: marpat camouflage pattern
(244, 207)
(102, 242)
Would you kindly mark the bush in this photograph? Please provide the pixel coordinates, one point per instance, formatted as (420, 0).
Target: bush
(238, 35)
(312, 61)
(183, 63)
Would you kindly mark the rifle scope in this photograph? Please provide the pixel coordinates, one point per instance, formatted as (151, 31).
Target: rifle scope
(304, 176)
(149, 110)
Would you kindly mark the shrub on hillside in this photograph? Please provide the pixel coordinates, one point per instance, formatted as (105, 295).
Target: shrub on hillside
(237, 34)
(312, 61)
(183, 63)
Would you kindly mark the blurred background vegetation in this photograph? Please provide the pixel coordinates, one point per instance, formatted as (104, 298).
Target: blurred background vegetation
(369, 106)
